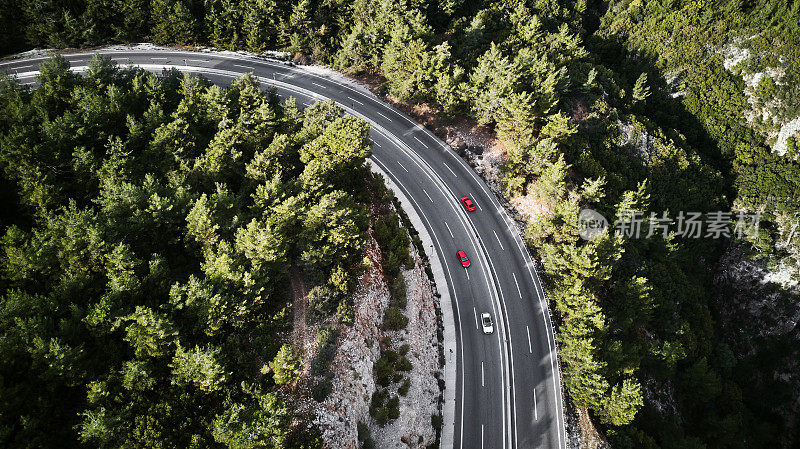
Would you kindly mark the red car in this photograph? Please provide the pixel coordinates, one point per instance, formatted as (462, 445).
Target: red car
(462, 256)
(468, 204)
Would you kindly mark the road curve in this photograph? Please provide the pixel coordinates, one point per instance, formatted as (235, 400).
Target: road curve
(505, 389)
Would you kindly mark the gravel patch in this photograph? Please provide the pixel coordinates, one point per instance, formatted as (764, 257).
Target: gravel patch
(353, 384)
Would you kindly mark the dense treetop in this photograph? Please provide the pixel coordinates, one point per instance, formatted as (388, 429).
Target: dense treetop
(148, 234)
(619, 106)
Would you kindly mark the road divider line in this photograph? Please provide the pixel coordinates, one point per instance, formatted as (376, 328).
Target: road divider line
(535, 409)
(404, 168)
(517, 283)
(475, 312)
(467, 272)
(420, 142)
(319, 85)
(387, 118)
(473, 200)
(161, 59)
(448, 230)
(483, 383)
(354, 100)
(481, 436)
(426, 194)
(451, 170)
(528, 331)
(377, 144)
(498, 240)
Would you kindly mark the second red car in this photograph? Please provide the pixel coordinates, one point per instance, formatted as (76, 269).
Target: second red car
(462, 256)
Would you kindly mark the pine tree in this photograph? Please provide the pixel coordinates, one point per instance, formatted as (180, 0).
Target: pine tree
(285, 366)
(300, 26)
(640, 89)
(621, 405)
(198, 368)
(173, 22)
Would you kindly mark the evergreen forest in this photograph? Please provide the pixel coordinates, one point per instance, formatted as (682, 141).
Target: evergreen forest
(151, 220)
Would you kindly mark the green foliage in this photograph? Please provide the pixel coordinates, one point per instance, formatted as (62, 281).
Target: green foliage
(640, 89)
(394, 243)
(260, 422)
(345, 313)
(173, 22)
(384, 407)
(398, 292)
(199, 368)
(403, 389)
(394, 319)
(285, 366)
(623, 402)
(388, 365)
(322, 301)
(142, 284)
(326, 346)
(155, 216)
(322, 389)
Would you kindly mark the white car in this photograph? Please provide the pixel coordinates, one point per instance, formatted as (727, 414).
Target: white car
(486, 322)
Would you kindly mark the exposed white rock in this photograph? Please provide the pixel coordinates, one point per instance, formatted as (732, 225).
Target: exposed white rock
(353, 385)
(734, 55)
(637, 140)
(413, 428)
(790, 129)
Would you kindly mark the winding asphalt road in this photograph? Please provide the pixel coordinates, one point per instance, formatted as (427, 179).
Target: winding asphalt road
(506, 388)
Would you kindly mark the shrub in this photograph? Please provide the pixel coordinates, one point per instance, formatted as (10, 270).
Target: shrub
(322, 389)
(385, 368)
(363, 431)
(436, 421)
(285, 366)
(393, 241)
(403, 390)
(399, 298)
(393, 407)
(321, 302)
(345, 312)
(377, 409)
(394, 319)
(403, 364)
(326, 342)
(383, 410)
